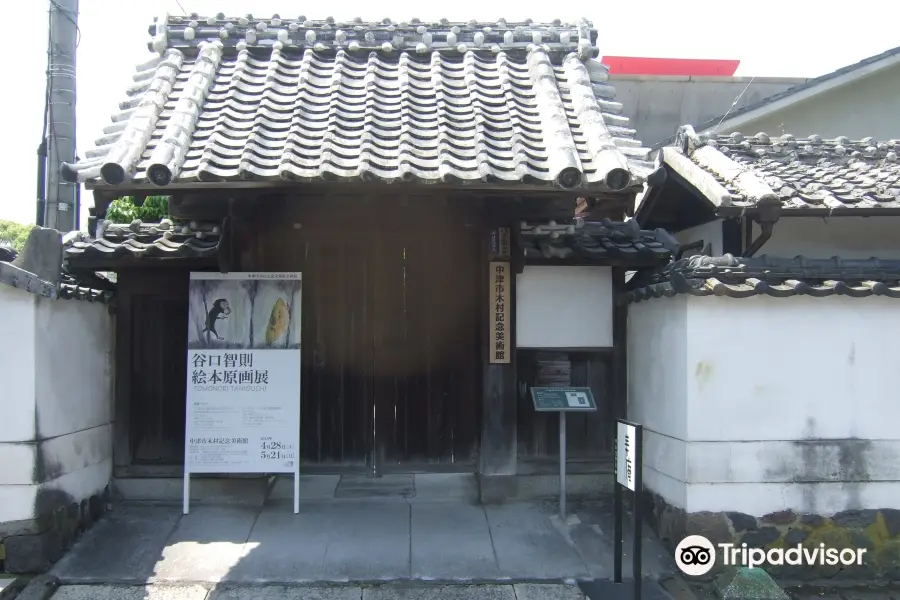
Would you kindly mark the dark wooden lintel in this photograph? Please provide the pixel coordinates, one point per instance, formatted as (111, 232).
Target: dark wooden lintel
(625, 263)
(129, 262)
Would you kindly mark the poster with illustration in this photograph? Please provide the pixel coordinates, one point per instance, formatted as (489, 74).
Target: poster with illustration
(243, 388)
(245, 310)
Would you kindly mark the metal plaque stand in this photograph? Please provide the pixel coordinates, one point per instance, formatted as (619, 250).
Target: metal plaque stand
(563, 400)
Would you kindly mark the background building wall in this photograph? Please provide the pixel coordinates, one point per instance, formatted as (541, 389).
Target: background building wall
(857, 110)
(657, 105)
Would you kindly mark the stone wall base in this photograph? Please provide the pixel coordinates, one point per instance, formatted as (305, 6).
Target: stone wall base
(32, 546)
(876, 530)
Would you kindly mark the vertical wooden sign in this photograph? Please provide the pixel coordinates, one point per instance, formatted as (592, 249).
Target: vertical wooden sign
(499, 312)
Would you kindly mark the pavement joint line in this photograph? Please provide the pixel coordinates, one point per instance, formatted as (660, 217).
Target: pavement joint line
(490, 531)
(410, 531)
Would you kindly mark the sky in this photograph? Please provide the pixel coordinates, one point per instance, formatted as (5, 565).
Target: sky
(771, 38)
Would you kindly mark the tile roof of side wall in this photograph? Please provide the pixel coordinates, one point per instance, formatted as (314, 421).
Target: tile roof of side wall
(298, 100)
(742, 277)
(808, 175)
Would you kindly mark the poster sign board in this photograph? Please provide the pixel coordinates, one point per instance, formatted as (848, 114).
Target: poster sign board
(499, 313)
(626, 454)
(243, 388)
(569, 399)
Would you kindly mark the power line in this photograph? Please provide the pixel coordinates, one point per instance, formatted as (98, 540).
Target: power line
(733, 104)
(72, 16)
(181, 7)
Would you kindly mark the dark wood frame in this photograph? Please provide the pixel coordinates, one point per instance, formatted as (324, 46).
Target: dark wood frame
(240, 203)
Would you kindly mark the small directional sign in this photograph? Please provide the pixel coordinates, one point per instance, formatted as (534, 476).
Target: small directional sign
(563, 399)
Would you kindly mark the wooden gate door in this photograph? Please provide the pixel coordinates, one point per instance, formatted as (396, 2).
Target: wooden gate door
(427, 369)
(391, 330)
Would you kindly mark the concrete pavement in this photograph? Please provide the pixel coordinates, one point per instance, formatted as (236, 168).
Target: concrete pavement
(363, 541)
(282, 592)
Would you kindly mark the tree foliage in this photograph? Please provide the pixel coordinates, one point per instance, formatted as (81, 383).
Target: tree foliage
(14, 234)
(124, 210)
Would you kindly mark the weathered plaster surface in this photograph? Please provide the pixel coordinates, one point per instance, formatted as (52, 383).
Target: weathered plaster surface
(56, 431)
(765, 404)
(74, 342)
(20, 502)
(17, 373)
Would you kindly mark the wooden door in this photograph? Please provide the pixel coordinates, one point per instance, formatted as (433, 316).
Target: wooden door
(392, 370)
(427, 370)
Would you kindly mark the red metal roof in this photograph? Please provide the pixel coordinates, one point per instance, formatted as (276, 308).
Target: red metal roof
(636, 65)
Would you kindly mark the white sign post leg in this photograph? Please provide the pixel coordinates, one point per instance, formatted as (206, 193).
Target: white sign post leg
(297, 487)
(186, 493)
(562, 466)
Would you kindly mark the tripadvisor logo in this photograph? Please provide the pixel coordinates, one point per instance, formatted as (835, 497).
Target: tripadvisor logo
(696, 555)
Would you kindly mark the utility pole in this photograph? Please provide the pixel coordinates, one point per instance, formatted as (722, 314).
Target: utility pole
(61, 206)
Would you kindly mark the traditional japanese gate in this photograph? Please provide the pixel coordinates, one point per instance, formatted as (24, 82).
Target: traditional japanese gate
(391, 331)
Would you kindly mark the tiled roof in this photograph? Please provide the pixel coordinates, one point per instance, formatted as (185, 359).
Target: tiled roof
(811, 173)
(736, 277)
(165, 239)
(597, 240)
(91, 289)
(298, 100)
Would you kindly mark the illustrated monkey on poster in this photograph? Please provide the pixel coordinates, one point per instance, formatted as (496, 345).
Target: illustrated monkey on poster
(220, 310)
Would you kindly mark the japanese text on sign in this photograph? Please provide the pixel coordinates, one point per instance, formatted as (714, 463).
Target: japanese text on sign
(227, 371)
(626, 443)
(499, 312)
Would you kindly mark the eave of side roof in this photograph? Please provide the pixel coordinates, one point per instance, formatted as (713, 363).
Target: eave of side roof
(810, 177)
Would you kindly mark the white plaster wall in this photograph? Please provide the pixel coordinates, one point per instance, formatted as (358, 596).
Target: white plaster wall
(709, 233)
(56, 431)
(847, 237)
(788, 403)
(74, 345)
(564, 307)
(17, 365)
(657, 391)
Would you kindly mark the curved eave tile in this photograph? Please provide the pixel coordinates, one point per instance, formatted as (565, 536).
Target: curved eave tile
(756, 287)
(162, 248)
(69, 291)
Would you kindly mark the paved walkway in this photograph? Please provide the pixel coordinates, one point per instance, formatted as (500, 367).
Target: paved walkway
(382, 592)
(361, 541)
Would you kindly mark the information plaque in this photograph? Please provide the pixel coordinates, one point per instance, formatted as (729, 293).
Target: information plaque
(556, 399)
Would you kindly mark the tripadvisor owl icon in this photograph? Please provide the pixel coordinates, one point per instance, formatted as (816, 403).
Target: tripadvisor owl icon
(695, 555)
